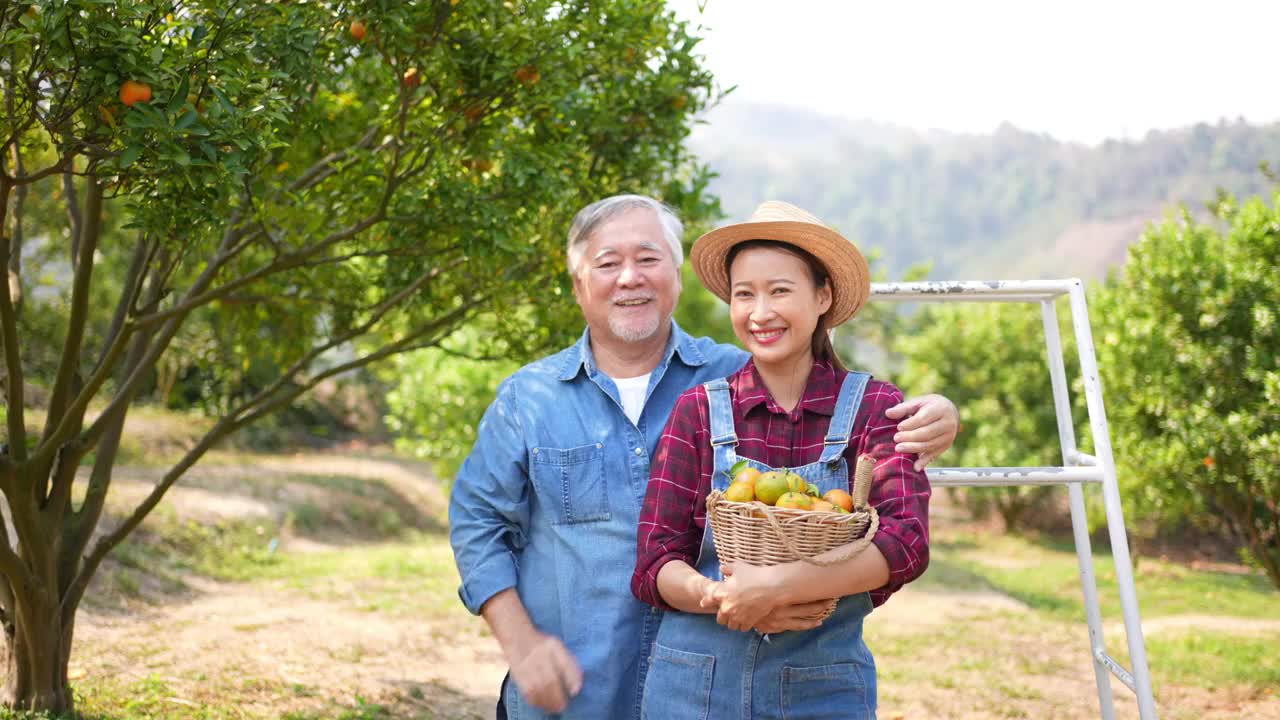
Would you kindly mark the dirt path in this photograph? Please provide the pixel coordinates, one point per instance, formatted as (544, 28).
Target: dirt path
(277, 648)
(323, 654)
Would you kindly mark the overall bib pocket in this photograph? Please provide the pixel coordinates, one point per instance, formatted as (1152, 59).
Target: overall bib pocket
(678, 685)
(825, 692)
(571, 482)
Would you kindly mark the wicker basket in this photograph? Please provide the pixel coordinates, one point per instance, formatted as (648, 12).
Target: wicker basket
(759, 534)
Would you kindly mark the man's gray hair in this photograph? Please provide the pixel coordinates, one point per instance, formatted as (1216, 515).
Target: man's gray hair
(597, 213)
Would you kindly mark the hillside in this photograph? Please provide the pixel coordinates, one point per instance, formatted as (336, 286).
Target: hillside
(1011, 204)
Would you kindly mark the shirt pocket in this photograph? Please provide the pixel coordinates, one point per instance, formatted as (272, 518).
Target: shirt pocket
(572, 483)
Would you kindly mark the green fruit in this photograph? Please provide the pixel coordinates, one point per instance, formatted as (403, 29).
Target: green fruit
(795, 501)
(770, 486)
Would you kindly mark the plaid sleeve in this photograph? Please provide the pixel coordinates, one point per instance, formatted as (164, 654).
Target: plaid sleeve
(680, 478)
(899, 492)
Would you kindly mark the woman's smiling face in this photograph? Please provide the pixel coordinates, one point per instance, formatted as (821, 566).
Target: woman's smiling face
(774, 304)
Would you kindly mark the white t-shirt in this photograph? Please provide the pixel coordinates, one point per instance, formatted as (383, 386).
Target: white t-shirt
(631, 391)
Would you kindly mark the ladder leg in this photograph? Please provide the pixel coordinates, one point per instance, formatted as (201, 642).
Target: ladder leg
(1092, 611)
(1079, 520)
(1111, 496)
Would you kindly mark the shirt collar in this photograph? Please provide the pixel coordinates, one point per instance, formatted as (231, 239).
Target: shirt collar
(680, 342)
(820, 392)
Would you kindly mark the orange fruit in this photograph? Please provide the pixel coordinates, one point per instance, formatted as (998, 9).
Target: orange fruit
(770, 486)
(412, 78)
(823, 506)
(528, 74)
(747, 475)
(133, 91)
(357, 30)
(740, 492)
(795, 501)
(841, 498)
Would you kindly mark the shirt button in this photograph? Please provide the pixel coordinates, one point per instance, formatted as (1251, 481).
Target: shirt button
(639, 451)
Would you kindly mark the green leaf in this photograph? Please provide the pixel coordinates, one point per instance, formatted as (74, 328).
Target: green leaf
(179, 97)
(129, 155)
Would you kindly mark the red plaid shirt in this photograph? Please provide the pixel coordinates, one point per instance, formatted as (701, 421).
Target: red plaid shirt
(674, 513)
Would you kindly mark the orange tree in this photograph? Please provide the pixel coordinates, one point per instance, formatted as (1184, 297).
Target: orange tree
(316, 186)
(1190, 350)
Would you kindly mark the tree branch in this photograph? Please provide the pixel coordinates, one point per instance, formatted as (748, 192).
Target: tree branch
(143, 250)
(90, 512)
(69, 364)
(410, 342)
(57, 167)
(16, 237)
(13, 360)
(73, 214)
(12, 567)
(326, 166)
(376, 314)
(238, 419)
(281, 264)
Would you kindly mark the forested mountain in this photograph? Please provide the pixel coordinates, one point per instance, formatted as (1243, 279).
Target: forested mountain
(1011, 204)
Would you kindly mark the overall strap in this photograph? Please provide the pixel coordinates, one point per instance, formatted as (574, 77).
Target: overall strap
(724, 441)
(721, 413)
(837, 439)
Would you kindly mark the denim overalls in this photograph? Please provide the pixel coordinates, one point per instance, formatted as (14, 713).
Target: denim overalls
(700, 669)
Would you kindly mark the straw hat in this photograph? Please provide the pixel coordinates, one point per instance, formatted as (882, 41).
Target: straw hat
(850, 278)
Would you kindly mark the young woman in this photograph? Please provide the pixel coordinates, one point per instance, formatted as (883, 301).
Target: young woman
(735, 645)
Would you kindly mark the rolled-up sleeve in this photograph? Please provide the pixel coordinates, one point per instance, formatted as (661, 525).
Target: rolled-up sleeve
(899, 493)
(489, 504)
(671, 525)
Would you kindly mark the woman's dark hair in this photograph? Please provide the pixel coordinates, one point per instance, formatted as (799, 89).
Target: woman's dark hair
(820, 344)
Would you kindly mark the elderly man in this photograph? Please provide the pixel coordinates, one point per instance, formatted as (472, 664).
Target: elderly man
(544, 511)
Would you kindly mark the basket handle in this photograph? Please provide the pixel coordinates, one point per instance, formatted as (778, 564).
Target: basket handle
(850, 549)
(862, 480)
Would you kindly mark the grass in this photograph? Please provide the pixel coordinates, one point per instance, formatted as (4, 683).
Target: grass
(411, 573)
(1216, 660)
(1045, 577)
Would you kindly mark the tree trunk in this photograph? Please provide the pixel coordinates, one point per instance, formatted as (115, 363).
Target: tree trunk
(37, 649)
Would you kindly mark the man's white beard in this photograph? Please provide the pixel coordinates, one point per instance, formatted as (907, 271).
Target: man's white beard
(632, 332)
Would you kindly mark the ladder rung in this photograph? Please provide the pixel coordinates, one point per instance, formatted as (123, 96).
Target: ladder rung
(1080, 458)
(1009, 476)
(1116, 668)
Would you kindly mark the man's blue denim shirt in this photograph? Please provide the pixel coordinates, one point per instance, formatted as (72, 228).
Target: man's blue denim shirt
(548, 502)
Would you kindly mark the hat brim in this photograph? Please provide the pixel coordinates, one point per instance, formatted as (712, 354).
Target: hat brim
(850, 277)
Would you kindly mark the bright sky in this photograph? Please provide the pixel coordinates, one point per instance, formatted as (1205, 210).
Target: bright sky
(1083, 70)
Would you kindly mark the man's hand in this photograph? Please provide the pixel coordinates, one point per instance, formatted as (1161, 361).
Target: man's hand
(930, 428)
(545, 671)
(792, 617)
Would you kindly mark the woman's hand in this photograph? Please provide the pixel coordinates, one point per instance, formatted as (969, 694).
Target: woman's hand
(789, 618)
(745, 597)
(929, 429)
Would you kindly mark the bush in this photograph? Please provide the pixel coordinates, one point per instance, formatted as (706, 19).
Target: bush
(1190, 354)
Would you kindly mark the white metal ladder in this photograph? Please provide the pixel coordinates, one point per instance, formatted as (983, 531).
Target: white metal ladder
(1077, 467)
